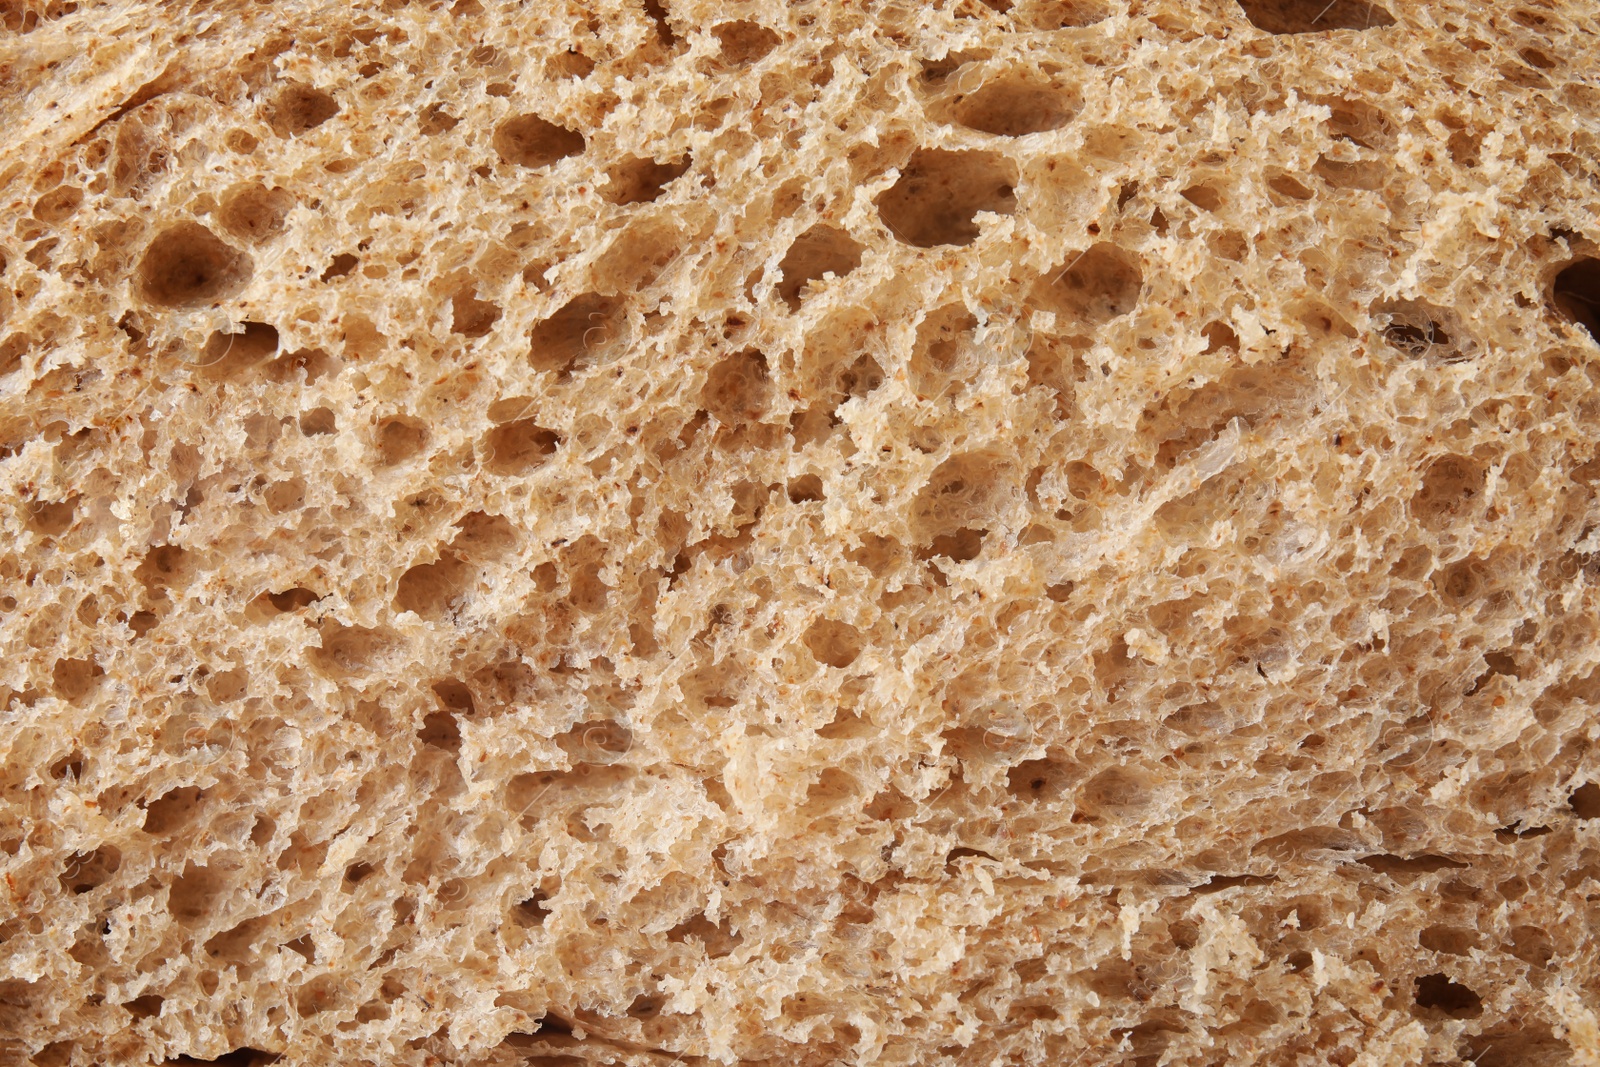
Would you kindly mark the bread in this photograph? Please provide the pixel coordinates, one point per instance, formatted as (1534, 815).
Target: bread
(939, 532)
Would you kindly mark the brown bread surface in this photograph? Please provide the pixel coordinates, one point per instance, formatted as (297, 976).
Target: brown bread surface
(881, 532)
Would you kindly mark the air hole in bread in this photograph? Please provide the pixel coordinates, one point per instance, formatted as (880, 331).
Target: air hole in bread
(172, 811)
(1009, 106)
(58, 205)
(1368, 175)
(738, 390)
(90, 870)
(965, 499)
(340, 266)
(530, 913)
(1117, 792)
(715, 939)
(858, 379)
(1449, 940)
(70, 766)
(471, 317)
(1060, 14)
(1093, 287)
(298, 109)
(165, 567)
(1440, 992)
(1315, 16)
(531, 141)
(1219, 335)
(941, 353)
(1360, 123)
(744, 42)
(318, 422)
(354, 651)
(657, 12)
(1203, 197)
(834, 789)
(1040, 779)
(958, 546)
(434, 120)
(224, 687)
(433, 589)
(1289, 186)
(398, 439)
(287, 495)
(584, 560)
(518, 447)
(834, 643)
(1462, 582)
(820, 251)
(483, 535)
(579, 334)
(302, 365)
(940, 192)
(569, 64)
(637, 180)
(51, 517)
(1450, 485)
(145, 1007)
(1421, 330)
(1576, 293)
(229, 354)
(195, 893)
(188, 266)
(596, 741)
(251, 212)
(442, 730)
(1585, 801)
(804, 488)
(13, 348)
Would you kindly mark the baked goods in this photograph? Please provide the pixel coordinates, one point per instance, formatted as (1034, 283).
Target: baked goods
(882, 533)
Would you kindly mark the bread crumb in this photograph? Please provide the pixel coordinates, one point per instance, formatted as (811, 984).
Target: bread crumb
(982, 531)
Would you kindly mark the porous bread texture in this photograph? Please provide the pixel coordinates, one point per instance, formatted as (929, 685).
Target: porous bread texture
(834, 532)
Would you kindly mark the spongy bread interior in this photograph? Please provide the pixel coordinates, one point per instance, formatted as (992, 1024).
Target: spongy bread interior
(829, 532)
